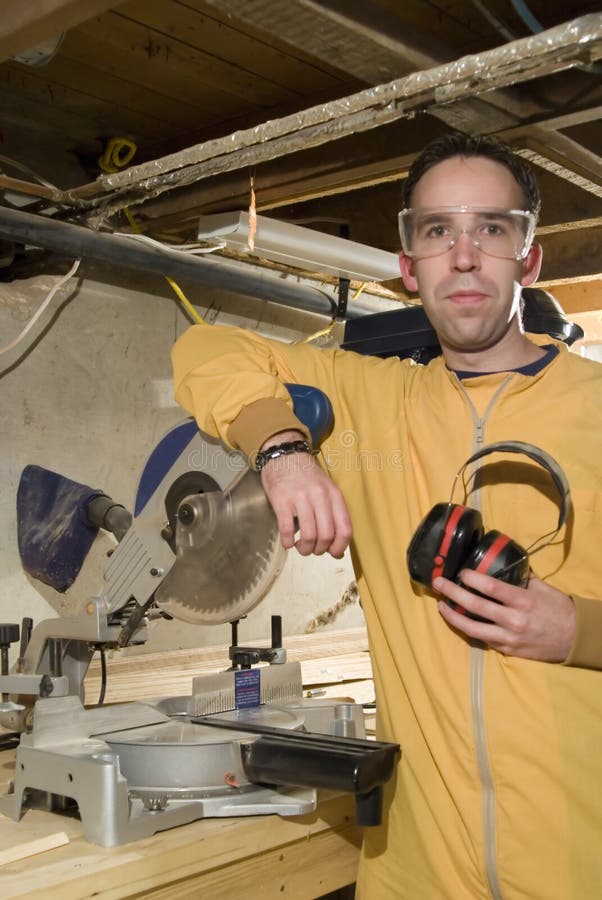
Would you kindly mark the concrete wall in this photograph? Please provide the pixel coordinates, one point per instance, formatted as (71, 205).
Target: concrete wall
(90, 400)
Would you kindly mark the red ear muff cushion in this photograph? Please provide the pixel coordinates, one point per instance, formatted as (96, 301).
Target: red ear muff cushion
(499, 556)
(442, 540)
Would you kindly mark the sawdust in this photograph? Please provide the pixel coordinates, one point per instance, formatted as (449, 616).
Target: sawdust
(350, 596)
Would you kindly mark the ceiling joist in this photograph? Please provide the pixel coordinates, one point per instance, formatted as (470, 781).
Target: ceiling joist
(555, 50)
(25, 25)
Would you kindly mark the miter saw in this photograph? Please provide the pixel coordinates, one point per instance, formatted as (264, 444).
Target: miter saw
(202, 546)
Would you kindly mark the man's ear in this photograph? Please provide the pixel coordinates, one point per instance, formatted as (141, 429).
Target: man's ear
(406, 267)
(532, 265)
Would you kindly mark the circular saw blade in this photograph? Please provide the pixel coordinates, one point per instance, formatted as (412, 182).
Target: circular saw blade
(228, 554)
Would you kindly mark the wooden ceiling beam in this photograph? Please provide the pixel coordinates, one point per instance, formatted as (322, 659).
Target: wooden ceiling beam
(582, 296)
(563, 157)
(25, 25)
(574, 255)
(572, 118)
(354, 163)
(375, 45)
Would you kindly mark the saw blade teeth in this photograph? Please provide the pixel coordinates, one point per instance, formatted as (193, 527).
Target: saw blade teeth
(228, 554)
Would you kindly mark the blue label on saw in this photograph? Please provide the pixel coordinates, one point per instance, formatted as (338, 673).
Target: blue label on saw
(247, 688)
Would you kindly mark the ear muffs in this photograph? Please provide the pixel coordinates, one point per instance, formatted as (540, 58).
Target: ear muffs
(451, 537)
(443, 540)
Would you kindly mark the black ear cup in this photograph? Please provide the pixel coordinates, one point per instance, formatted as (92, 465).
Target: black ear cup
(499, 556)
(444, 538)
(450, 538)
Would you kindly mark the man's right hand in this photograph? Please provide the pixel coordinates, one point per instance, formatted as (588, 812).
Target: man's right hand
(306, 502)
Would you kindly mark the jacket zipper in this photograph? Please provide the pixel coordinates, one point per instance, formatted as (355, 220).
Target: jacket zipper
(477, 660)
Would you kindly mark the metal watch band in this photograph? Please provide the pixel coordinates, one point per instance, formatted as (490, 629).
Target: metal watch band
(282, 450)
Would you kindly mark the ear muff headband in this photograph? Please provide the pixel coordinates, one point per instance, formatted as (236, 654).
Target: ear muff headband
(539, 456)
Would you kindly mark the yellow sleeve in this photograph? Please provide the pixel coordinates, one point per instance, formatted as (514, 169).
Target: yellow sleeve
(232, 382)
(586, 652)
(258, 421)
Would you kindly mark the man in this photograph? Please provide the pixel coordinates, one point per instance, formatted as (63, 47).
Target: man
(499, 789)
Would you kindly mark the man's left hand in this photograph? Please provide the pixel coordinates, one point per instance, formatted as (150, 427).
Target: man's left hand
(535, 622)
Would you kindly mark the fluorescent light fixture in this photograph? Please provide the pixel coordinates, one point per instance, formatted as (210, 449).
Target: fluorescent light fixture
(301, 247)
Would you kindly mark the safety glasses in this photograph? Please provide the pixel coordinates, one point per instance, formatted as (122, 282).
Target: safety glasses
(503, 233)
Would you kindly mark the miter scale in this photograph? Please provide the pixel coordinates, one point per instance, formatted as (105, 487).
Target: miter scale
(202, 546)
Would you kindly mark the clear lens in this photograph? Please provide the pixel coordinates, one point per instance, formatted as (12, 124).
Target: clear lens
(503, 233)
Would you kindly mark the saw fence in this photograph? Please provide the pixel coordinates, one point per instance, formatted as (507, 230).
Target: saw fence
(333, 664)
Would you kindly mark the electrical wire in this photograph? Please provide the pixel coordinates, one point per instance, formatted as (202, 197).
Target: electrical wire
(535, 27)
(117, 149)
(45, 204)
(103, 677)
(117, 154)
(184, 300)
(187, 249)
(173, 284)
(493, 20)
(23, 168)
(43, 307)
(324, 332)
(524, 13)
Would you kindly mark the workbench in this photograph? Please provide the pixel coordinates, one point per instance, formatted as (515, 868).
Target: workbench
(263, 857)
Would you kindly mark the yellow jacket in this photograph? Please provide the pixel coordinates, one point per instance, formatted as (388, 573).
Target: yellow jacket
(499, 789)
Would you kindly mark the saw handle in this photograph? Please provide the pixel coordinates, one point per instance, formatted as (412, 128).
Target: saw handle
(314, 409)
(309, 759)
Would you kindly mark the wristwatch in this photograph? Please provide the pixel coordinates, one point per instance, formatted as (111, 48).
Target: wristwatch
(282, 450)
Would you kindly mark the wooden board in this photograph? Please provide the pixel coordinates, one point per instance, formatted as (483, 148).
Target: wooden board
(32, 848)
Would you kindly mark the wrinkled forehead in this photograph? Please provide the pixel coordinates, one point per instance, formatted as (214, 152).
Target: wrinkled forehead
(468, 181)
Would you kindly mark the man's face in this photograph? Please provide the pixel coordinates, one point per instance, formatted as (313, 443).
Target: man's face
(470, 298)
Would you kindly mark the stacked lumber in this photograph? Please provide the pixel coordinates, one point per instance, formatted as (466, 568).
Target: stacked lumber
(333, 664)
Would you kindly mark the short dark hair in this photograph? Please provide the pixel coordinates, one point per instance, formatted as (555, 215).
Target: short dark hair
(460, 144)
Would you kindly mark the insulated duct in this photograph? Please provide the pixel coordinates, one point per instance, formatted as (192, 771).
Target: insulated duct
(565, 46)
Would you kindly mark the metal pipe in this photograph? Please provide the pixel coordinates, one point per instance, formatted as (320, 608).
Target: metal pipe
(76, 241)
